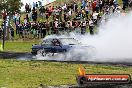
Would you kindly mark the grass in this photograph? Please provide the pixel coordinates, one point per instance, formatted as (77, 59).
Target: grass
(19, 46)
(30, 74)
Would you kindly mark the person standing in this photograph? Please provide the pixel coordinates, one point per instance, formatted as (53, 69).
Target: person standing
(12, 33)
(91, 26)
(27, 8)
(83, 28)
(87, 11)
(34, 4)
(125, 4)
(95, 17)
(34, 15)
(30, 7)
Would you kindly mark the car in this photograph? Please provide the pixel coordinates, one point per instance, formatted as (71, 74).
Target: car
(56, 45)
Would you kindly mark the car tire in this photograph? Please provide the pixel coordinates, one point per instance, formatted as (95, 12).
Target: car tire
(43, 53)
(34, 53)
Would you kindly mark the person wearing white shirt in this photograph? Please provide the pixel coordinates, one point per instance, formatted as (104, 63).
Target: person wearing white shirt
(83, 28)
(25, 21)
(70, 13)
(95, 17)
(91, 26)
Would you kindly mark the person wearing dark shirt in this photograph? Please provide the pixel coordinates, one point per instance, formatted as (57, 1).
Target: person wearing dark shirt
(42, 10)
(125, 4)
(43, 30)
(34, 15)
(12, 33)
(36, 5)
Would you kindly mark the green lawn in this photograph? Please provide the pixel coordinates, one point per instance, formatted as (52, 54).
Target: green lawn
(30, 74)
(19, 46)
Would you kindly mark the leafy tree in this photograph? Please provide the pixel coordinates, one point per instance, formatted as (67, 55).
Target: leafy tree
(11, 5)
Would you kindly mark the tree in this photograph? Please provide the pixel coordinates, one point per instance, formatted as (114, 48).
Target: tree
(14, 5)
(11, 5)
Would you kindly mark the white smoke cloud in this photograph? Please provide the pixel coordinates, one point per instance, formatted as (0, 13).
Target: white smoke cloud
(113, 43)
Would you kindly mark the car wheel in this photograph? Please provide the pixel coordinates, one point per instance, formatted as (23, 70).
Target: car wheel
(43, 53)
(39, 51)
(34, 53)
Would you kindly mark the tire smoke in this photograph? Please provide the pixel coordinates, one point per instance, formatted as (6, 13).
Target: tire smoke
(113, 43)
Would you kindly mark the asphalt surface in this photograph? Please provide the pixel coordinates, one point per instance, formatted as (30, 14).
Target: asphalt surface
(28, 56)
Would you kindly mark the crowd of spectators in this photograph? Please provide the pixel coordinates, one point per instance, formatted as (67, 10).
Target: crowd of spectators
(64, 18)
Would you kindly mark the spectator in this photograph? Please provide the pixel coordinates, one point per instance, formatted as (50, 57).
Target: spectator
(50, 10)
(21, 28)
(42, 10)
(40, 4)
(100, 5)
(4, 14)
(25, 21)
(30, 7)
(83, 27)
(27, 8)
(77, 28)
(91, 26)
(12, 33)
(62, 17)
(34, 15)
(27, 17)
(56, 26)
(94, 3)
(43, 30)
(125, 4)
(95, 17)
(87, 11)
(34, 4)
(17, 28)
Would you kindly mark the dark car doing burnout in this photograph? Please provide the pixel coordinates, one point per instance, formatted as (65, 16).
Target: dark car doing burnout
(54, 45)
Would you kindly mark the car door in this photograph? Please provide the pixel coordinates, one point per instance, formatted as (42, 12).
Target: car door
(47, 45)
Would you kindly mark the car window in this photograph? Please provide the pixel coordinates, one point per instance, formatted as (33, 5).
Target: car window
(68, 41)
(46, 42)
(56, 42)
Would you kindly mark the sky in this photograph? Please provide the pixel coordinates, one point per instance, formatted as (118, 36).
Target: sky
(31, 2)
